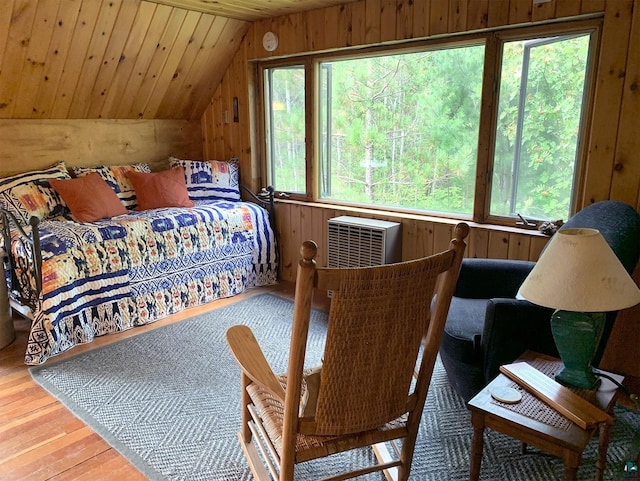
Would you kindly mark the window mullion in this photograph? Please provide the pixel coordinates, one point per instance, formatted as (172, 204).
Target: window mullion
(486, 134)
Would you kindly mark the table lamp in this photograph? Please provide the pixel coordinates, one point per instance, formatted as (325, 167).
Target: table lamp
(580, 276)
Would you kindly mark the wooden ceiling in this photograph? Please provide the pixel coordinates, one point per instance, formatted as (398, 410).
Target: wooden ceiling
(250, 10)
(121, 59)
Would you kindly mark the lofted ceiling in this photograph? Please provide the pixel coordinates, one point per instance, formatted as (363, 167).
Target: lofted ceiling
(122, 59)
(250, 10)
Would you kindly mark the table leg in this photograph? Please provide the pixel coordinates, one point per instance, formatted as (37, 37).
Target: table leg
(603, 446)
(570, 473)
(571, 462)
(477, 420)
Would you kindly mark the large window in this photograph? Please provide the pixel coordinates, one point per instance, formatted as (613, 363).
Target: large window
(402, 130)
(486, 128)
(285, 127)
(540, 108)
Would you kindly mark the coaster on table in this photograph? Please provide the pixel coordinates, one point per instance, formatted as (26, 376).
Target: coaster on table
(506, 394)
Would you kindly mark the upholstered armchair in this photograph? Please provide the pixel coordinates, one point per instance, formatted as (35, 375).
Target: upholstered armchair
(487, 326)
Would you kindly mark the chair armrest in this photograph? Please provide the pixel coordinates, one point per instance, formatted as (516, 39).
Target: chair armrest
(489, 278)
(513, 326)
(246, 350)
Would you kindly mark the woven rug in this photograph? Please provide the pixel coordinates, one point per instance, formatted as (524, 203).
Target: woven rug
(169, 401)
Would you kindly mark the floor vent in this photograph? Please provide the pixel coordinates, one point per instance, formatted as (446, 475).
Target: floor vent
(359, 242)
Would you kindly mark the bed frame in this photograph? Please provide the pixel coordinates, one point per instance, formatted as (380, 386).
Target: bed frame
(23, 295)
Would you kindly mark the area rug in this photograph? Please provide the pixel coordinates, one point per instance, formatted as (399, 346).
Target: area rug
(169, 401)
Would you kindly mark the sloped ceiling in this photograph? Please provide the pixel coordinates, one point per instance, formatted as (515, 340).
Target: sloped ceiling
(121, 59)
(251, 9)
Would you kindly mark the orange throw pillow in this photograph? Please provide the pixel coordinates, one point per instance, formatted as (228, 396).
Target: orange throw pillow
(160, 189)
(89, 198)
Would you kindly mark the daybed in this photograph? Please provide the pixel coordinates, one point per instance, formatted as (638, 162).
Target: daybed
(80, 279)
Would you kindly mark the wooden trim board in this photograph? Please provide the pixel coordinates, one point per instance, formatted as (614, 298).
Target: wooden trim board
(560, 398)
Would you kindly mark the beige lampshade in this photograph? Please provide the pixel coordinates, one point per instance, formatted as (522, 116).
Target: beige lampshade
(579, 272)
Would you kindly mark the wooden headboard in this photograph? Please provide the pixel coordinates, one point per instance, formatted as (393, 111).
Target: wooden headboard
(30, 144)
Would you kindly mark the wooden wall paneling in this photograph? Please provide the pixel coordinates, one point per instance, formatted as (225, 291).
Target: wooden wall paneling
(372, 20)
(178, 51)
(458, 15)
(537, 245)
(331, 35)
(477, 14)
(126, 63)
(216, 141)
(223, 53)
(306, 228)
(95, 58)
(421, 18)
(75, 56)
(153, 36)
(626, 176)
(289, 244)
(438, 17)
(59, 45)
(358, 23)
(409, 239)
(497, 13)
(621, 353)
(96, 98)
(41, 34)
(207, 126)
(442, 235)
(227, 139)
(156, 64)
(498, 245)
(318, 232)
(478, 243)
(295, 27)
(90, 142)
(242, 148)
(253, 143)
(15, 54)
(387, 20)
(519, 246)
(520, 11)
(417, 239)
(256, 32)
(567, 8)
(607, 101)
(543, 11)
(344, 25)
(404, 19)
(592, 6)
(314, 36)
(6, 14)
(200, 68)
(171, 102)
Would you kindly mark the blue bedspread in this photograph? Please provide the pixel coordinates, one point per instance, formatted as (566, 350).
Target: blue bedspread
(111, 275)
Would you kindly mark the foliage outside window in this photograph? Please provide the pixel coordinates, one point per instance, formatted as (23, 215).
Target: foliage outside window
(540, 108)
(400, 129)
(284, 125)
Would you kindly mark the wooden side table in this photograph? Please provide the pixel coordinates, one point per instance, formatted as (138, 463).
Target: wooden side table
(535, 423)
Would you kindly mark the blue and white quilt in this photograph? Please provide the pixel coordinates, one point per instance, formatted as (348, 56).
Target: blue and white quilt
(108, 276)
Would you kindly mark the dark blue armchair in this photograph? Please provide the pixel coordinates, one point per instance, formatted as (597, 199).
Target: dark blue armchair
(487, 326)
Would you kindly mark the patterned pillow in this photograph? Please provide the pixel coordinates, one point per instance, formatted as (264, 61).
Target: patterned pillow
(116, 177)
(29, 194)
(210, 180)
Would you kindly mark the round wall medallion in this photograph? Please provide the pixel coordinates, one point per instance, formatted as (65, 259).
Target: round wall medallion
(270, 41)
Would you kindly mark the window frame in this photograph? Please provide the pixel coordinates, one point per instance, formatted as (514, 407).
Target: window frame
(492, 41)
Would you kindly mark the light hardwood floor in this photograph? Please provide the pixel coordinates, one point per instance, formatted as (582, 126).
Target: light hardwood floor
(41, 440)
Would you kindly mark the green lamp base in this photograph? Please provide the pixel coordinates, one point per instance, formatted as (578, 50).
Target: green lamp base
(577, 335)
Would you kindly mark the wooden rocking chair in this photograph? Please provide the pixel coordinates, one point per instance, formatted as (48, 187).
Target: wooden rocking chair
(371, 388)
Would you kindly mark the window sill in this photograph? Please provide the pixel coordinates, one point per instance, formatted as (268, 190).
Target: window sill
(399, 216)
